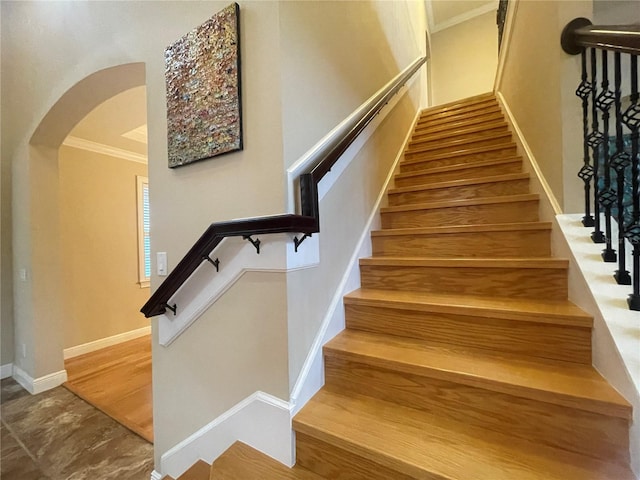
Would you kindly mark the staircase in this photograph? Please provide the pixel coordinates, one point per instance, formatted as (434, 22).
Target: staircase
(462, 358)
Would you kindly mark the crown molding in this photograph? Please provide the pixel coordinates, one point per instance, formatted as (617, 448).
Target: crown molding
(471, 14)
(103, 149)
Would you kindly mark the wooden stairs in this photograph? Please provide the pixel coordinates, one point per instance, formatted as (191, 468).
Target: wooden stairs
(462, 358)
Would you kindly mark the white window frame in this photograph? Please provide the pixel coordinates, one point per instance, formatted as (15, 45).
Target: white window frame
(142, 183)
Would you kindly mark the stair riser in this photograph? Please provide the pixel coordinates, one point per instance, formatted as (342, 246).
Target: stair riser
(467, 173)
(333, 462)
(549, 283)
(523, 339)
(591, 434)
(501, 244)
(526, 211)
(445, 147)
(490, 115)
(421, 161)
(465, 192)
(418, 141)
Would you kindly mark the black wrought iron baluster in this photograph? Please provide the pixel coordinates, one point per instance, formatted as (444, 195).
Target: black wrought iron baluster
(606, 197)
(586, 172)
(594, 140)
(620, 161)
(631, 118)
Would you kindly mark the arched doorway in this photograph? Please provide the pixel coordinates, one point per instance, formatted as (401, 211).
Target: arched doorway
(39, 254)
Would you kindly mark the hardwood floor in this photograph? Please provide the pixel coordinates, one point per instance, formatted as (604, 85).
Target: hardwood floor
(117, 380)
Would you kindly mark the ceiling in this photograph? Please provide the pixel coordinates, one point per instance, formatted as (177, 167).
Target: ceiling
(116, 127)
(442, 14)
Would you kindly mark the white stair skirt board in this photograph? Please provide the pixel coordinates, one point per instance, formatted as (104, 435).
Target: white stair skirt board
(40, 384)
(311, 377)
(260, 420)
(277, 252)
(616, 329)
(89, 347)
(6, 371)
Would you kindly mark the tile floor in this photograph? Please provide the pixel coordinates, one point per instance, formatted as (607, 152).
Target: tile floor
(57, 436)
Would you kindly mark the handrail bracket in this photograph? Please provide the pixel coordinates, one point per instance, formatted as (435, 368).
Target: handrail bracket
(297, 242)
(255, 243)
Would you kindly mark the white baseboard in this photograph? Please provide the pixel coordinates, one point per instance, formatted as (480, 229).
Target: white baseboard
(6, 371)
(156, 475)
(40, 384)
(260, 420)
(105, 342)
(311, 377)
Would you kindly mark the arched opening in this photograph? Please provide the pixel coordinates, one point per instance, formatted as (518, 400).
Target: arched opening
(83, 209)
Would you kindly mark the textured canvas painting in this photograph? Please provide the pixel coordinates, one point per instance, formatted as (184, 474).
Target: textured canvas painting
(204, 111)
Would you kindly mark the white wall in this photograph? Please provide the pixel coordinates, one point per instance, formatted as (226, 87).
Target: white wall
(464, 59)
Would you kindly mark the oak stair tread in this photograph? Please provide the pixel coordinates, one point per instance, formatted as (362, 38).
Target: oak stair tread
(570, 385)
(462, 203)
(418, 445)
(459, 183)
(487, 97)
(462, 152)
(470, 117)
(464, 262)
(456, 131)
(198, 471)
(559, 312)
(453, 229)
(241, 462)
(459, 166)
(456, 143)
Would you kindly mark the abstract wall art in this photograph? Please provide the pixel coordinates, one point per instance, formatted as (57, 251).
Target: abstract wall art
(204, 110)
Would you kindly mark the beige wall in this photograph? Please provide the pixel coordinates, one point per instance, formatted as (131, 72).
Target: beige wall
(6, 280)
(240, 344)
(99, 246)
(464, 59)
(322, 83)
(538, 84)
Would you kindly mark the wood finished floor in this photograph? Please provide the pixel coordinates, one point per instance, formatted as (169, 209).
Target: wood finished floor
(117, 381)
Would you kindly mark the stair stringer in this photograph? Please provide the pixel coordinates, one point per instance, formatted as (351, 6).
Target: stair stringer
(607, 358)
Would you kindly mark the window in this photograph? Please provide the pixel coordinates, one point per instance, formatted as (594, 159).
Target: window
(144, 242)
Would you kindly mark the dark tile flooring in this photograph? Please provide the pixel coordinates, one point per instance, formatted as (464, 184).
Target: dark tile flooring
(57, 436)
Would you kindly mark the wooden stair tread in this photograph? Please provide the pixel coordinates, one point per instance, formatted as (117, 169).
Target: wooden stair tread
(421, 446)
(569, 385)
(397, 261)
(462, 151)
(487, 227)
(456, 143)
(241, 462)
(539, 310)
(479, 117)
(460, 203)
(457, 104)
(455, 131)
(198, 471)
(460, 166)
(459, 183)
(468, 117)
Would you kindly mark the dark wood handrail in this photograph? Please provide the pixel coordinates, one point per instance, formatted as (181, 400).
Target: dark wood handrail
(580, 34)
(306, 223)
